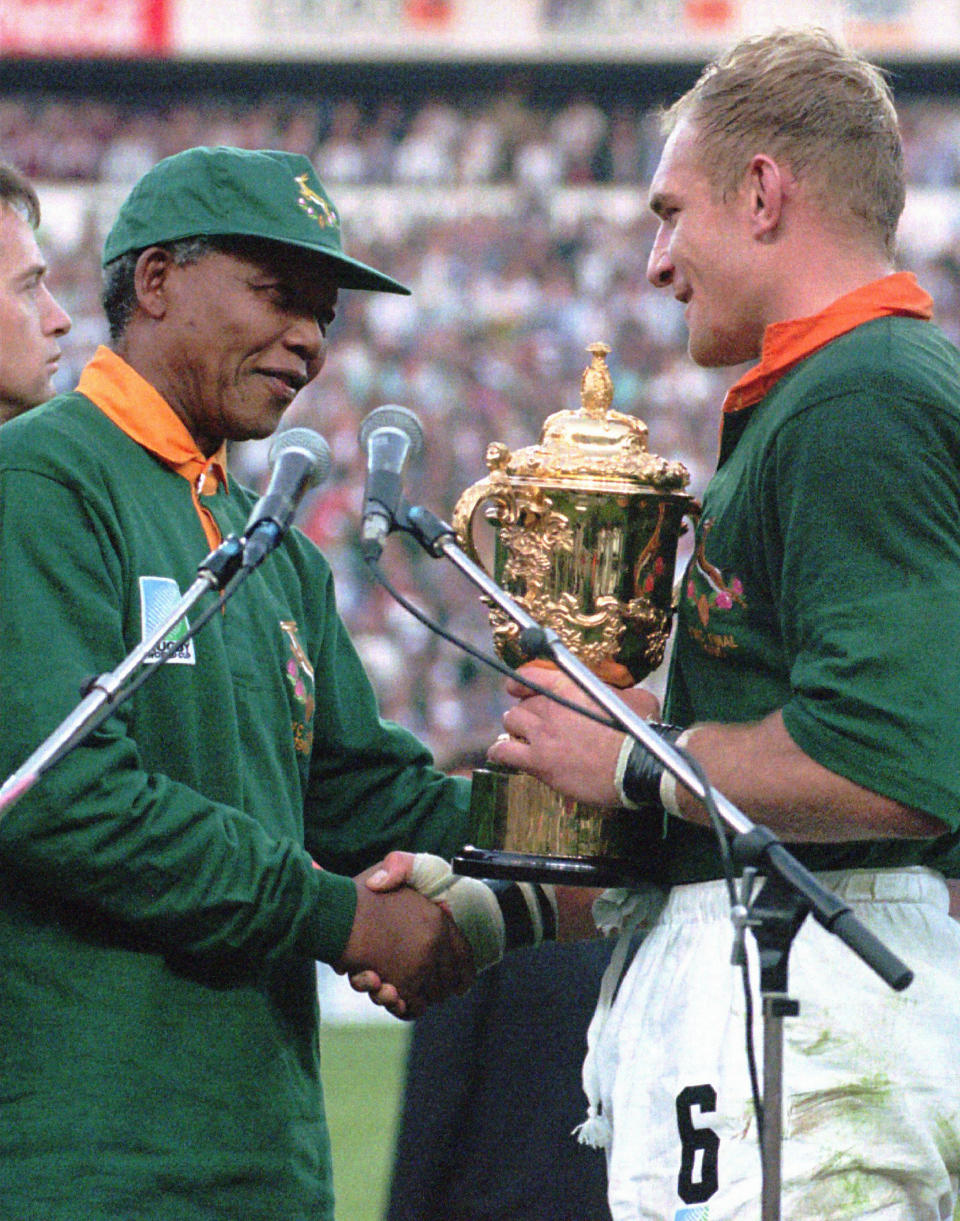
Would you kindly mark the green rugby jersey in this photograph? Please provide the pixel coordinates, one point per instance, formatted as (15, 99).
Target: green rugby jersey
(826, 582)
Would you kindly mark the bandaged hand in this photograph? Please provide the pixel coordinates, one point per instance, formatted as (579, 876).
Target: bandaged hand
(494, 916)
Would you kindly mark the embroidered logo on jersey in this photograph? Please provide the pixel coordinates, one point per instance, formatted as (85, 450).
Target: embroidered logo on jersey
(710, 594)
(158, 598)
(696, 1212)
(299, 673)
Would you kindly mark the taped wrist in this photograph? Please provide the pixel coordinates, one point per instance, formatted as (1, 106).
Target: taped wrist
(639, 773)
(494, 916)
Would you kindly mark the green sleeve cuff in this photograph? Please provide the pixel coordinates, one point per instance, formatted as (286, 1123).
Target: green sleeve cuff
(336, 908)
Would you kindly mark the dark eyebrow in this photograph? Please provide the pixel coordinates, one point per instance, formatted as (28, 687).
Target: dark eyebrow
(36, 271)
(658, 203)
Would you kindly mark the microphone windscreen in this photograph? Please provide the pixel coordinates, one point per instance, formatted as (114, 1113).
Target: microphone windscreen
(311, 442)
(392, 416)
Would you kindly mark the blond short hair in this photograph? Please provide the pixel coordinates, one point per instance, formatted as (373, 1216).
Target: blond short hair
(801, 97)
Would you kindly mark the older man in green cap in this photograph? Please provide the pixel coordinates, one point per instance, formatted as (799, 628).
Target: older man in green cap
(168, 887)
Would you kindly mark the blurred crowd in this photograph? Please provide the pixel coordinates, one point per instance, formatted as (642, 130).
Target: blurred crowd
(504, 136)
(523, 233)
(489, 139)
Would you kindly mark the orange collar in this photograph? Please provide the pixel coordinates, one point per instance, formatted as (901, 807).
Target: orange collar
(785, 344)
(138, 409)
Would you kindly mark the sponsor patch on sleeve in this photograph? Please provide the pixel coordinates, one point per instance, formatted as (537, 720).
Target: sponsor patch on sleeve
(158, 598)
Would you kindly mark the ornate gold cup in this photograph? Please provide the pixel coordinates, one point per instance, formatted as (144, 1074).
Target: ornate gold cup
(587, 524)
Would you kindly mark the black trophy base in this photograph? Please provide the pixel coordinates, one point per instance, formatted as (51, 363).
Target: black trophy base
(493, 863)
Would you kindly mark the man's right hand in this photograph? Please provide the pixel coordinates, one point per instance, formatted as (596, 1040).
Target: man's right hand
(406, 939)
(560, 747)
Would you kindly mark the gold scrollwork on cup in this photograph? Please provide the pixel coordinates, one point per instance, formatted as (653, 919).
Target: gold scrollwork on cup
(586, 527)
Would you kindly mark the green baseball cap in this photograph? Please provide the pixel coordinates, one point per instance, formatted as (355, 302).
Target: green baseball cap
(224, 192)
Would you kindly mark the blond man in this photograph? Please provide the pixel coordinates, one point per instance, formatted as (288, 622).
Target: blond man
(814, 674)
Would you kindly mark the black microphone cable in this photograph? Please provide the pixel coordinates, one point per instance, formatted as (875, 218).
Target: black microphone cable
(382, 502)
(488, 659)
(708, 799)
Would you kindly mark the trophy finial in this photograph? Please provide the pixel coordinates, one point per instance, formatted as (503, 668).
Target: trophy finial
(596, 384)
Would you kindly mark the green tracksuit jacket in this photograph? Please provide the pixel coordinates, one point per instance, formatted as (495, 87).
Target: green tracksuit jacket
(160, 913)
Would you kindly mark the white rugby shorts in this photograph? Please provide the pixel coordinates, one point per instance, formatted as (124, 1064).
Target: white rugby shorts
(871, 1084)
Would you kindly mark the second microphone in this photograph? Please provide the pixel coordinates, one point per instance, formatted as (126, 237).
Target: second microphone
(390, 435)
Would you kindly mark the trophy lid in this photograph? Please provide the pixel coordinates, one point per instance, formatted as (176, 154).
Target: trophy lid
(592, 445)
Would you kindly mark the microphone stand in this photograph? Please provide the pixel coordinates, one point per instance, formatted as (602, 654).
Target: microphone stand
(223, 569)
(789, 892)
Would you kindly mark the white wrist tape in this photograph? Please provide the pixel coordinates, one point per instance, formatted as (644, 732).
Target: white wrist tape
(668, 781)
(494, 916)
(625, 749)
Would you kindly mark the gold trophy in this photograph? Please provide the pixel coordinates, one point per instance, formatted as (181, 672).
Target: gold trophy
(586, 530)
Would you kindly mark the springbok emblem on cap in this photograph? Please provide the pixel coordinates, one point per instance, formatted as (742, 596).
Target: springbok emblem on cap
(315, 205)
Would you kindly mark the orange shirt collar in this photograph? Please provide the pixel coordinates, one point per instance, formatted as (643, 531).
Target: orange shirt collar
(136, 407)
(147, 418)
(785, 344)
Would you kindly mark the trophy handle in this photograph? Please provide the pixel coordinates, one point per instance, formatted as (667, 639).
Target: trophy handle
(494, 487)
(692, 514)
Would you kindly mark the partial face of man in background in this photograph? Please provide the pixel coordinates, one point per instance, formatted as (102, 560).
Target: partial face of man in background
(31, 321)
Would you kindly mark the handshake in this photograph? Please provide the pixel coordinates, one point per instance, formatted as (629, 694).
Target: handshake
(407, 954)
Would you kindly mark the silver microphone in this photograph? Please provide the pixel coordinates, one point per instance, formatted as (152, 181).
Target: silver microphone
(301, 460)
(390, 435)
